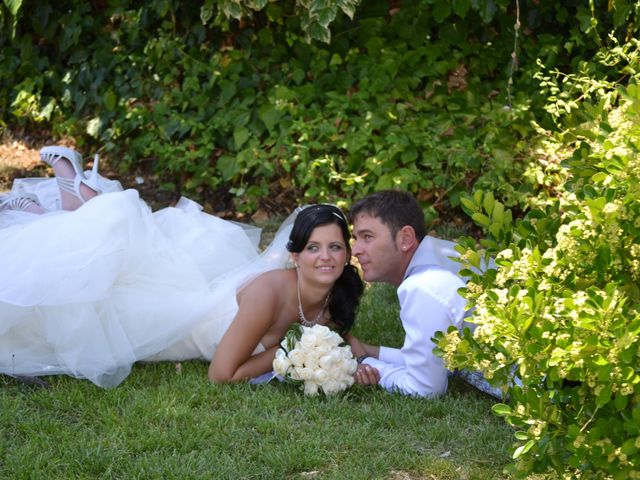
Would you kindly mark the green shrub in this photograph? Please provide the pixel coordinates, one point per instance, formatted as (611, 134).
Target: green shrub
(562, 309)
(414, 95)
(412, 98)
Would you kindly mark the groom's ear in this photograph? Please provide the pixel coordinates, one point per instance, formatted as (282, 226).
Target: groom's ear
(406, 239)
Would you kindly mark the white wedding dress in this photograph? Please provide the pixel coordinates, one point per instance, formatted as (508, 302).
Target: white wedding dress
(88, 293)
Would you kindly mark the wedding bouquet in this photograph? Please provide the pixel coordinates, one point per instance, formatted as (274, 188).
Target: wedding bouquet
(315, 357)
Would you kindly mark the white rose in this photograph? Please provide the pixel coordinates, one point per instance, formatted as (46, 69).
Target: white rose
(308, 340)
(348, 381)
(331, 387)
(310, 388)
(306, 374)
(321, 330)
(350, 366)
(345, 352)
(321, 375)
(294, 373)
(325, 335)
(335, 340)
(297, 357)
(335, 371)
(323, 348)
(336, 356)
(326, 361)
(312, 359)
(281, 363)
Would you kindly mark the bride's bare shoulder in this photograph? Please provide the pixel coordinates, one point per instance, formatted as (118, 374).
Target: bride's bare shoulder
(271, 281)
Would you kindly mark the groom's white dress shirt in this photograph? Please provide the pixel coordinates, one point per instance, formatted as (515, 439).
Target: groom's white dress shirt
(429, 302)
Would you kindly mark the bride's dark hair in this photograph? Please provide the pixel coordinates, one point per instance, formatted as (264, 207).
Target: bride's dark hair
(346, 292)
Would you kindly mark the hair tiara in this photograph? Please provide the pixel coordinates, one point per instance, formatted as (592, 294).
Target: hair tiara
(340, 215)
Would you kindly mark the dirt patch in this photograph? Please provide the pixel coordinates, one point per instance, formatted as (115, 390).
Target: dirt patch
(18, 159)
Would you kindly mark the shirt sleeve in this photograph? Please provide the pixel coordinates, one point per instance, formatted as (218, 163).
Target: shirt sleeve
(391, 355)
(428, 303)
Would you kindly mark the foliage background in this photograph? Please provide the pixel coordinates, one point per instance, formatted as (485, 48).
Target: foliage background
(557, 322)
(412, 94)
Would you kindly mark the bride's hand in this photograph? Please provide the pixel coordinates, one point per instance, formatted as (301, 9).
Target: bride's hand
(357, 348)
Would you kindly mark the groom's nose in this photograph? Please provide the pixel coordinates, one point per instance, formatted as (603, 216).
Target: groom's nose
(355, 248)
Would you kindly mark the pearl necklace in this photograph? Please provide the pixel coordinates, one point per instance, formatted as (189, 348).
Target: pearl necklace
(301, 316)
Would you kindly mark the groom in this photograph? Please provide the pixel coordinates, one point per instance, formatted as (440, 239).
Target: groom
(392, 247)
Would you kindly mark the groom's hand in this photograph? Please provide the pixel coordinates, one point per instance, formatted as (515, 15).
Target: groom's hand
(367, 375)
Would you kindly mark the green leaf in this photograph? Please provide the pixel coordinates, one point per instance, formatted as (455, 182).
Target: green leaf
(228, 90)
(232, 9)
(481, 219)
(109, 99)
(629, 447)
(48, 109)
(461, 7)
(520, 435)
(501, 409)
(317, 31)
(468, 205)
(240, 136)
(441, 11)
(620, 402)
(13, 6)
(93, 127)
(269, 115)
(522, 449)
(526, 323)
(486, 9)
(228, 167)
(488, 203)
(206, 11)
(325, 16)
(498, 213)
(495, 229)
(604, 396)
(348, 7)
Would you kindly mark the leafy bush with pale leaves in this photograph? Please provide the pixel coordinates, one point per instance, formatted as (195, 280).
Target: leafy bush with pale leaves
(562, 309)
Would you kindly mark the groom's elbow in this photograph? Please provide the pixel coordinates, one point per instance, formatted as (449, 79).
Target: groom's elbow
(416, 385)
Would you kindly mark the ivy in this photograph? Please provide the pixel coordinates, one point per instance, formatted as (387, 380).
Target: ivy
(233, 96)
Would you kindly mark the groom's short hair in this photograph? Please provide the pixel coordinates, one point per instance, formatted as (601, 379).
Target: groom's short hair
(394, 208)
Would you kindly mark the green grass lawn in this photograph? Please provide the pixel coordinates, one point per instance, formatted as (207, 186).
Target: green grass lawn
(166, 421)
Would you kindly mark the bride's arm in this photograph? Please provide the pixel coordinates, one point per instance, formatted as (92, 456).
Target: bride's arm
(257, 309)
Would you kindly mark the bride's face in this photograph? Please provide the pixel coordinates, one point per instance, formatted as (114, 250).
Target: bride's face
(324, 256)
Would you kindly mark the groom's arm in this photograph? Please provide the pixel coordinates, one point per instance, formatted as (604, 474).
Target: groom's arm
(429, 302)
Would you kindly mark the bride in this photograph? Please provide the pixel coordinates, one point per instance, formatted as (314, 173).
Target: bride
(91, 281)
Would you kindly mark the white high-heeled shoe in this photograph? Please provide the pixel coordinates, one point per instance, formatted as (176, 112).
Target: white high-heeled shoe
(20, 201)
(53, 154)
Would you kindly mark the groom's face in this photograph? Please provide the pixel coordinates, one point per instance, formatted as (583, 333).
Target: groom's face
(376, 250)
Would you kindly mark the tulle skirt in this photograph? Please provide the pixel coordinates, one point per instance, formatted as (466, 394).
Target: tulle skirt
(88, 293)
